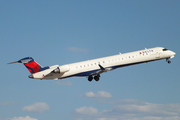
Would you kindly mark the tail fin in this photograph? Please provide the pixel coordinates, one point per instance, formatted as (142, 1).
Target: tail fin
(31, 65)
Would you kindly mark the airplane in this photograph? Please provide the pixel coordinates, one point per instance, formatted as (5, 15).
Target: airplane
(93, 68)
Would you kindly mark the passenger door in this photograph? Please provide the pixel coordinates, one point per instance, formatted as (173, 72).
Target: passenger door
(158, 55)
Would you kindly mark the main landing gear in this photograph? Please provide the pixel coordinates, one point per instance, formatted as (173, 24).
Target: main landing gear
(96, 78)
(168, 61)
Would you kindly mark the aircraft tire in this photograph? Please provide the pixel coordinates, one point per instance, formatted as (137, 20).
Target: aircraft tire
(90, 78)
(96, 78)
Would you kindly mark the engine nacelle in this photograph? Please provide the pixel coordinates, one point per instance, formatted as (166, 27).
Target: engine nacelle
(62, 69)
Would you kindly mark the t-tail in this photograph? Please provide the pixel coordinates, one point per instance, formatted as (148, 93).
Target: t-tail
(31, 65)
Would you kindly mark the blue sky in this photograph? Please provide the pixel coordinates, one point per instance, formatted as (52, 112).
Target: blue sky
(62, 32)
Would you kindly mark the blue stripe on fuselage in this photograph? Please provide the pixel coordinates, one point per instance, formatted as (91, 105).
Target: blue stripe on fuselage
(87, 73)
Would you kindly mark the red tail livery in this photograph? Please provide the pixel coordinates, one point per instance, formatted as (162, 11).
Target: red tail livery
(31, 65)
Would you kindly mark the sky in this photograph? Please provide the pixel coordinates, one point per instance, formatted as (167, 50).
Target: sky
(59, 32)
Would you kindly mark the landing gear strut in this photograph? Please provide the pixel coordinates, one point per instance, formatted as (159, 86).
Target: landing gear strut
(168, 61)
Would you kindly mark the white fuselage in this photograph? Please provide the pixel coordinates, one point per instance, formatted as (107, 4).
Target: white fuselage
(92, 67)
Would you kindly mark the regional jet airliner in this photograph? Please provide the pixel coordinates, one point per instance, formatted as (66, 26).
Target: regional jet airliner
(93, 68)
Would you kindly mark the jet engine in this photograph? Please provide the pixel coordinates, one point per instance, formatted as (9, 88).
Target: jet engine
(61, 69)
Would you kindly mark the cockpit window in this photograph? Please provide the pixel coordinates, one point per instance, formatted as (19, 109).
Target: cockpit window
(164, 49)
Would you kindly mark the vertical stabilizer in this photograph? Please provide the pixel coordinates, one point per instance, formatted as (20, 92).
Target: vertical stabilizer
(31, 65)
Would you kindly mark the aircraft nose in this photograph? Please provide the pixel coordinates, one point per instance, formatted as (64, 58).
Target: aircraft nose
(31, 76)
(173, 53)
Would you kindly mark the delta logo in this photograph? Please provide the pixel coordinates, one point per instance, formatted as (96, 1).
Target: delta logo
(146, 52)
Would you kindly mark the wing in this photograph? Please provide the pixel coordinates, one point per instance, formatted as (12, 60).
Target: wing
(102, 69)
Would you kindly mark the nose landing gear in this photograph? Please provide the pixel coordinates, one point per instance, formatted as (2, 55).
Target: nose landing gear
(168, 61)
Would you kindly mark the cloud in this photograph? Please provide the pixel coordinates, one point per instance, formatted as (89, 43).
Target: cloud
(76, 49)
(23, 118)
(106, 119)
(86, 110)
(64, 83)
(99, 94)
(132, 109)
(143, 118)
(39, 107)
(145, 108)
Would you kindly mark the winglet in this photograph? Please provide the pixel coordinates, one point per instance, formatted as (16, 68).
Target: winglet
(102, 68)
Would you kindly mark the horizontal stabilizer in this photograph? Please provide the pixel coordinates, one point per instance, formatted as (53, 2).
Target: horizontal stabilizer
(31, 65)
(13, 62)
